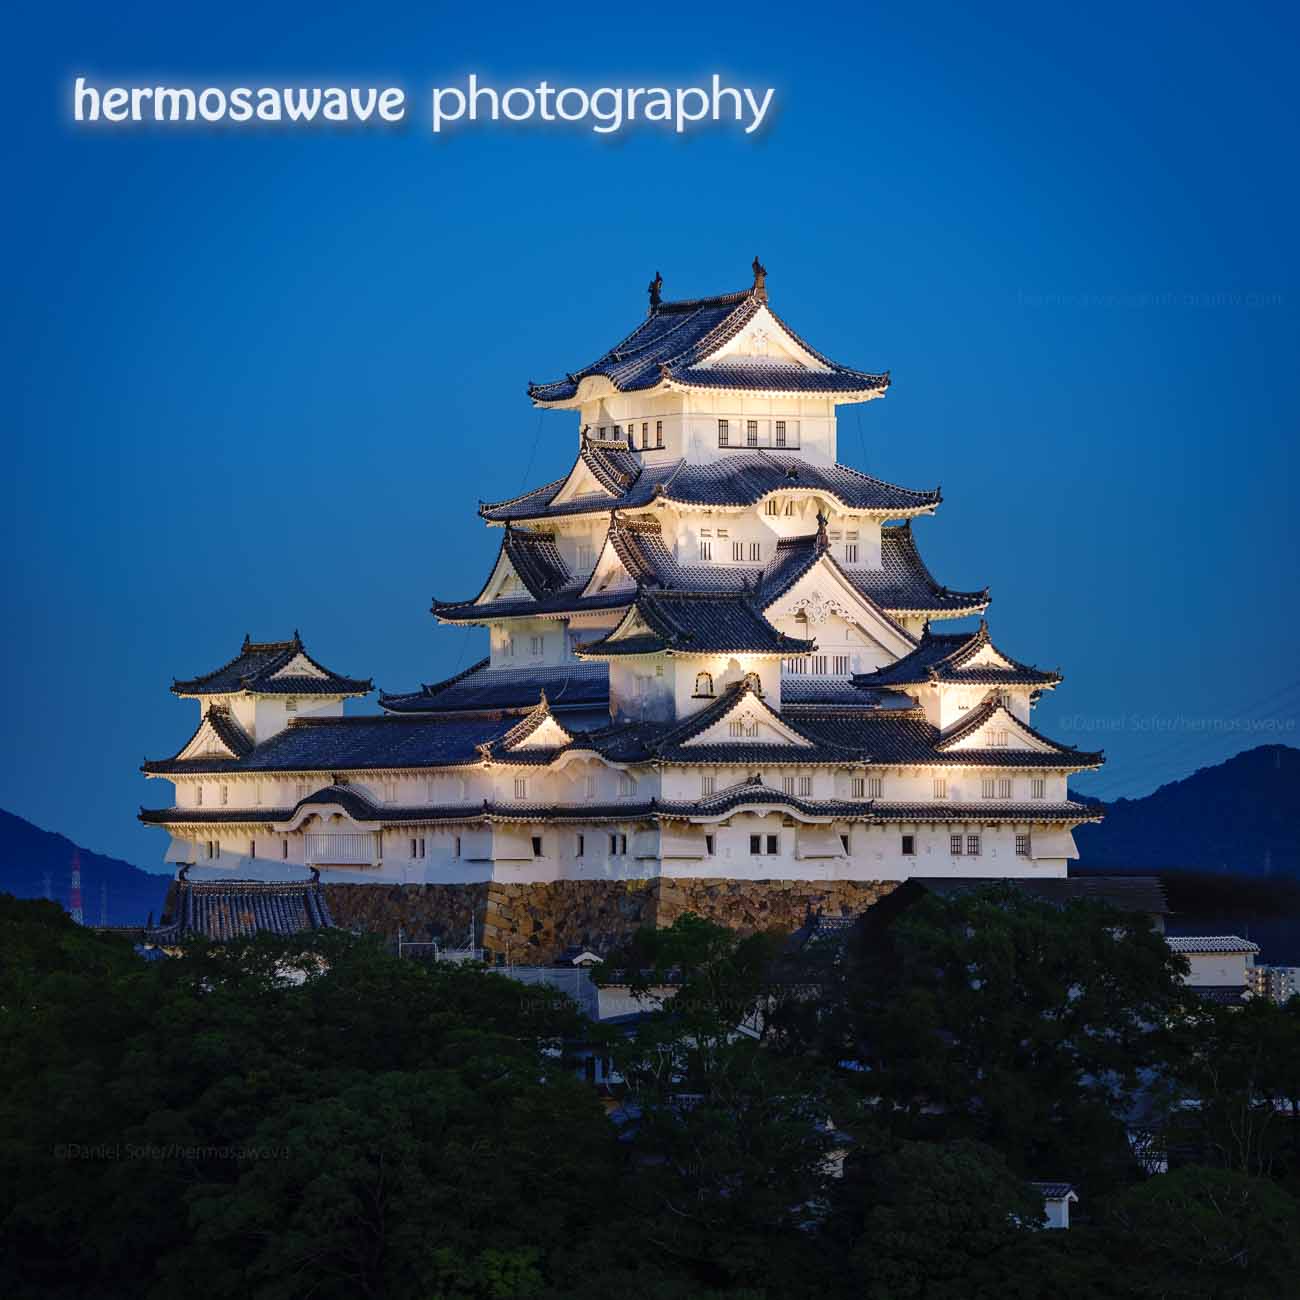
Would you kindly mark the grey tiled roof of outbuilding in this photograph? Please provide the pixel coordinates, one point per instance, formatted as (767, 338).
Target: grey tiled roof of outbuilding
(482, 688)
(238, 909)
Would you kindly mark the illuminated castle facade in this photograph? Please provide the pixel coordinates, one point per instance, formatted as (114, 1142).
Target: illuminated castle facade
(714, 651)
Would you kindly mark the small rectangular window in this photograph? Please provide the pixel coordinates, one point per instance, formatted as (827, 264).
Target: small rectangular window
(626, 786)
(521, 787)
(751, 432)
(225, 795)
(756, 844)
(772, 506)
(859, 788)
(850, 552)
(780, 433)
(414, 854)
(819, 665)
(708, 845)
(875, 786)
(737, 550)
(645, 434)
(840, 665)
(706, 549)
(537, 846)
(291, 705)
(591, 787)
(909, 846)
(198, 796)
(659, 433)
(724, 433)
(940, 787)
(1022, 846)
(756, 550)
(987, 788)
(787, 784)
(844, 841)
(1038, 788)
(538, 644)
(954, 845)
(999, 740)
(601, 431)
(284, 849)
(805, 786)
(613, 844)
(972, 846)
(1004, 788)
(582, 844)
(773, 844)
(708, 784)
(622, 843)
(458, 846)
(252, 848)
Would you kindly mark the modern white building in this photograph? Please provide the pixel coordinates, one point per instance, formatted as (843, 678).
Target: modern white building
(713, 651)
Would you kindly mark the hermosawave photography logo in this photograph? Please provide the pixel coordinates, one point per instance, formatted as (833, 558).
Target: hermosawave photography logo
(604, 110)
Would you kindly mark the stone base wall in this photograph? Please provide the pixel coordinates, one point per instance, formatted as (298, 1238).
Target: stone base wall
(532, 924)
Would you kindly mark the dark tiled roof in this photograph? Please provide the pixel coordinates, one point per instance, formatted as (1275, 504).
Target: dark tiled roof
(1224, 995)
(484, 689)
(741, 478)
(1210, 943)
(357, 744)
(903, 583)
(238, 909)
(536, 560)
(255, 667)
(694, 623)
(1053, 1191)
(985, 810)
(942, 657)
(677, 337)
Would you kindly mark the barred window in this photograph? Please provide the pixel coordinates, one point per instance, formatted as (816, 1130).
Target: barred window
(751, 432)
(225, 795)
(987, 788)
(724, 433)
(787, 784)
(1022, 846)
(284, 849)
(772, 506)
(704, 684)
(582, 844)
(706, 549)
(805, 786)
(1038, 788)
(798, 665)
(198, 796)
(780, 433)
(875, 785)
(659, 433)
(1000, 739)
(819, 665)
(1004, 788)
(737, 550)
(909, 846)
(940, 787)
(627, 785)
(850, 552)
(840, 665)
(708, 784)
(954, 845)
(773, 844)
(859, 787)
(521, 787)
(972, 846)
(756, 844)
(756, 550)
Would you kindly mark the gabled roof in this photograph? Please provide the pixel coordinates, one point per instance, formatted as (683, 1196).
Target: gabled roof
(239, 909)
(962, 659)
(217, 735)
(992, 709)
(480, 688)
(679, 344)
(272, 668)
(741, 478)
(685, 622)
(904, 584)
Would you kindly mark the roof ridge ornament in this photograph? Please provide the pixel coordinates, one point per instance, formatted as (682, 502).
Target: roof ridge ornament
(760, 279)
(655, 289)
(823, 541)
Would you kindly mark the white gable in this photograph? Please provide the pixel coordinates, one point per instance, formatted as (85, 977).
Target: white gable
(1001, 730)
(610, 573)
(581, 483)
(822, 593)
(207, 743)
(764, 339)
(751, 722)
(503, 583)
(298, 666)
(986, 657)
(548, 735)
(632, 625)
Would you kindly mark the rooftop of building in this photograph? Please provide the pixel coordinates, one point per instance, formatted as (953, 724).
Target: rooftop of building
(272, 668)
(684, 344)
(964, 658)
(238, 909)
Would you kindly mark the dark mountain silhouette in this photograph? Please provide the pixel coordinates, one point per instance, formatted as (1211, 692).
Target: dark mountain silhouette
(28, 854)
(1236, 818)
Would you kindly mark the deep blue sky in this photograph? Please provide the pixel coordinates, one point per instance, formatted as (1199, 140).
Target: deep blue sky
(258, 381)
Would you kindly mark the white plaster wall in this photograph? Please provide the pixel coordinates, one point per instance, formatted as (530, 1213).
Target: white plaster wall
(1219, 968)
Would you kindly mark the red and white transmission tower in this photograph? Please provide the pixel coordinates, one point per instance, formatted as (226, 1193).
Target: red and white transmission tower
(75, 899)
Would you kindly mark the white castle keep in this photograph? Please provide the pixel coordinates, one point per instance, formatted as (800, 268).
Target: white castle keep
(712, 653)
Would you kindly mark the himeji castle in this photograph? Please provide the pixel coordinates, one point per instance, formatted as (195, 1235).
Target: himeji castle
(713, 652)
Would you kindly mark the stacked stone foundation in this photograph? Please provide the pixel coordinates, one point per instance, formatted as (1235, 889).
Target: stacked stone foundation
(532, 924)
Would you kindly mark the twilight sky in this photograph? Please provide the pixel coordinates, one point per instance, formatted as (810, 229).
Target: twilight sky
(259, 380)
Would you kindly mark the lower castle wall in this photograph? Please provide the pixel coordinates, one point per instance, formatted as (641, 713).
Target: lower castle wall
(531, 924)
